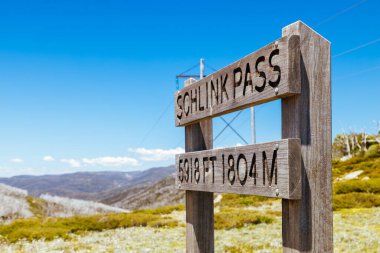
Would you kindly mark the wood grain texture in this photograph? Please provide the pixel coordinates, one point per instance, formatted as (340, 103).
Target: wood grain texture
(308, 223)
(265, 75)
(269, 169)
(199, 205)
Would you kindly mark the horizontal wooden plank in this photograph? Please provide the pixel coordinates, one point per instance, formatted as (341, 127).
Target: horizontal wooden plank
(269, 169)
(270, 73)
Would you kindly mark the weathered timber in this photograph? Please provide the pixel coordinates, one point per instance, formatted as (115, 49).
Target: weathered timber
(308, 223)
(199, 205)
(300, 172)
(269, 169)
(265, 75)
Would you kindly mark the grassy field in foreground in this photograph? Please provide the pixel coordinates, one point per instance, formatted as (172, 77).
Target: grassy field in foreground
(355, 230)
(65, 228)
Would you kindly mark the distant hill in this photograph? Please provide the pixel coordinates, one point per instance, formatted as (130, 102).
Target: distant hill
(87, 185)
(17, 204)
(145, 196)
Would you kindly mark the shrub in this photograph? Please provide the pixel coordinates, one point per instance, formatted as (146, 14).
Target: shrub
(37, 206)
(239, 218)
(247, 248)
(234, 200)
(242, 248)
(370, 167)
(162, 210)
(373, 151)
(355, 200)
(50, 228)
(368, 186)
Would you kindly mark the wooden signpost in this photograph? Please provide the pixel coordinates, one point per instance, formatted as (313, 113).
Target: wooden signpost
(296, 69)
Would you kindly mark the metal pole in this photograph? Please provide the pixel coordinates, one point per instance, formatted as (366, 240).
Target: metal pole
(253, 125)
(202, 68)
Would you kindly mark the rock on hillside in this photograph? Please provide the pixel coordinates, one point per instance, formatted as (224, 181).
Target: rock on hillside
(147, 196)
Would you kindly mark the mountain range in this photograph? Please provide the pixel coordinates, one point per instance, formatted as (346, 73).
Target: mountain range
(111, 187)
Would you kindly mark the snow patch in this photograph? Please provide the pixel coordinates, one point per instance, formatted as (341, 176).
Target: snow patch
(352, 175)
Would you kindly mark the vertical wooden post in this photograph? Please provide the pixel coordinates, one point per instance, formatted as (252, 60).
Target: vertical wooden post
(308, 223)
(199, 205)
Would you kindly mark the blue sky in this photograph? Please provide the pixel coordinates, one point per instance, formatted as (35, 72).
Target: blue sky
(88, 85)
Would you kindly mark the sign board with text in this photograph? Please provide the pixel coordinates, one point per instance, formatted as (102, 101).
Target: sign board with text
(265, 75)
(269, 169)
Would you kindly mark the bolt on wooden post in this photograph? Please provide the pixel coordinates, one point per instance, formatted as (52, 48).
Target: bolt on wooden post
(297, 169)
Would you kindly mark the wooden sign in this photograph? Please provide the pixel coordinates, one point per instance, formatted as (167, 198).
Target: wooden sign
(297, 169)
(270, 73)
(269, 169)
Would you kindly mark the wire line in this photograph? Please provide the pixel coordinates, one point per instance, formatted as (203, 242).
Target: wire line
(357, 48)
(341, 12)
(156, 122)
(357, 73)
(193, 67)
(227, 124)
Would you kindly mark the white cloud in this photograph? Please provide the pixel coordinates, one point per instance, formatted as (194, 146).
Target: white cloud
(48, 158)
(10, 172)
(236, 145)
(17, 160)
(156, 154)
(106, 161)
(110, 161)
(72, 162)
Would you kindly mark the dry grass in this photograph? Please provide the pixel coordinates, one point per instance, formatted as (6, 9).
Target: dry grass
(51, 228)
(355, 231)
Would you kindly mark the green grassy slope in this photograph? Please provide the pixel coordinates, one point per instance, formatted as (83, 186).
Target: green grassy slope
(363, 191)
